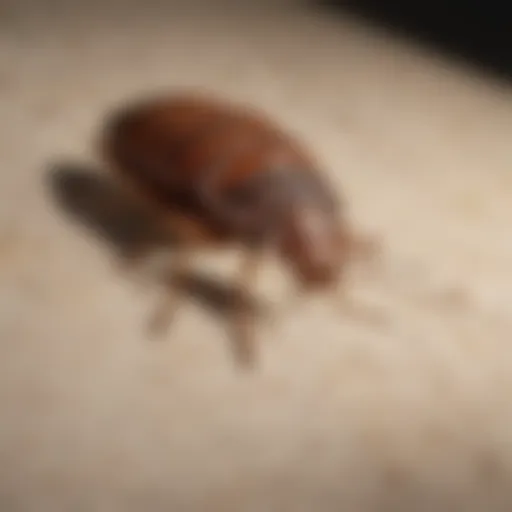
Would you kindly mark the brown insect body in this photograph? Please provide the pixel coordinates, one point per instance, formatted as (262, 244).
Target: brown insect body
(235, 175)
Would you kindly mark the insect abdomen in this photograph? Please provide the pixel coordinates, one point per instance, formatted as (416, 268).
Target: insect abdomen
(209, 160)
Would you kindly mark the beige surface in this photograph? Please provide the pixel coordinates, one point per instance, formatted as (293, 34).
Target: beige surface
(340, 416)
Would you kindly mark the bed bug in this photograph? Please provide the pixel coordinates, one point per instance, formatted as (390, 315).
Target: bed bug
(225, 173)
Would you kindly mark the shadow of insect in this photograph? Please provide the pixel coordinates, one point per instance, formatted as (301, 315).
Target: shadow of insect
(131, 233)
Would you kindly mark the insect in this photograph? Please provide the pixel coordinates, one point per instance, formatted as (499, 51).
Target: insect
(225, 173)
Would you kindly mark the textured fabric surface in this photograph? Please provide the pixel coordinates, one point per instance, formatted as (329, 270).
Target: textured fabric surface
(413, 413)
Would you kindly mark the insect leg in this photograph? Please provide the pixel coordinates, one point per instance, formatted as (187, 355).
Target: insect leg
(167, 307)
(243, 320)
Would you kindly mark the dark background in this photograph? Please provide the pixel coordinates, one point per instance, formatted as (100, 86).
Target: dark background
(478, 32)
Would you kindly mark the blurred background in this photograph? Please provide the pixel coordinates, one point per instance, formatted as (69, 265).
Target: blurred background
(409, 107)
